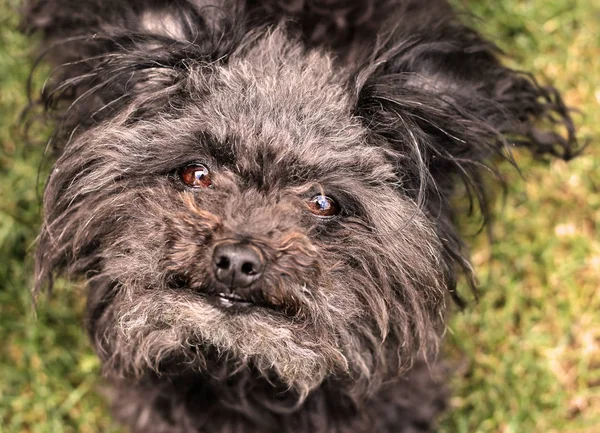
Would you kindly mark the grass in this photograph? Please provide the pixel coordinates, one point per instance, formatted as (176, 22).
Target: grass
(528, 354)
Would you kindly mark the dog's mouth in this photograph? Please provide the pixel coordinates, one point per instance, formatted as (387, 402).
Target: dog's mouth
(244, 300)
(228, 300)
(239, 302)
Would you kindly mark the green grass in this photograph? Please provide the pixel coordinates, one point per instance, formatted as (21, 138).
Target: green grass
(527, 356)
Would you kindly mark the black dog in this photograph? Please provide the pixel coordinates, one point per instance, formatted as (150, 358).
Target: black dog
(258, 195)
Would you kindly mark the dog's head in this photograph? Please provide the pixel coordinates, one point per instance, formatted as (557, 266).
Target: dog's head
(249, 200)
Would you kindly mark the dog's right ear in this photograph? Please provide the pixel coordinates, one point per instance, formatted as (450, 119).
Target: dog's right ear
(107, 53)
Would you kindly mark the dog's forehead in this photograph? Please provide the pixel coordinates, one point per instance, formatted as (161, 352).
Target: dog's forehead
(277, 98)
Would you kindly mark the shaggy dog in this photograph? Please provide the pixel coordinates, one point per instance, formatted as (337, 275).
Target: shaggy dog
(259, 195)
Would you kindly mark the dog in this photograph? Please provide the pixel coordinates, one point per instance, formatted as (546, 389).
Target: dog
(261, 197)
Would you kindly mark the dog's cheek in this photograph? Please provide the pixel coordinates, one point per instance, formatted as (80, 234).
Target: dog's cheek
(395, 271)
(149, 237)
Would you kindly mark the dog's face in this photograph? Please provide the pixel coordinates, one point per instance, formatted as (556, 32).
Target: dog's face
(257, 216)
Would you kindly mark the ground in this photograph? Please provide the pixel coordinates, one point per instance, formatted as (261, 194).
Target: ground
(527, 354)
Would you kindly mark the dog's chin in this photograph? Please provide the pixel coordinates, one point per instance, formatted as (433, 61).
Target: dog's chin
(155, 326)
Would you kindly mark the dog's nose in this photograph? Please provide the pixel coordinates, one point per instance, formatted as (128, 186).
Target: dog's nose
(237, 265)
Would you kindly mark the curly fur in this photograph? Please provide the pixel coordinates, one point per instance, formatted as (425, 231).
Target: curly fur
(391, 107)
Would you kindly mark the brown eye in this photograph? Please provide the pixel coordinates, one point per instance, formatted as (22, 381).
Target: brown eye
(196, 176)
(323, 206)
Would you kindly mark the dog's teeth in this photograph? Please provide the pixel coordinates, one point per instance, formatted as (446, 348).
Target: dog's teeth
(225, 302)
(228, 299)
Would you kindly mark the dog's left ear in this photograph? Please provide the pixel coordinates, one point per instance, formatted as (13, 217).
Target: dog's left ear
(438, 95)
(441, 104)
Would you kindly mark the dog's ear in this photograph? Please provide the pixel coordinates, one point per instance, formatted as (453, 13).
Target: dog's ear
(439, 95)
(445, 108)
(108, 53)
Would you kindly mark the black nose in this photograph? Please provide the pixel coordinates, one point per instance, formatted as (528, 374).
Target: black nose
(237, 265)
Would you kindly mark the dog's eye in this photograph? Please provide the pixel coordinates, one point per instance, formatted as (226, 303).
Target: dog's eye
(323, 206)
(196, 176)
